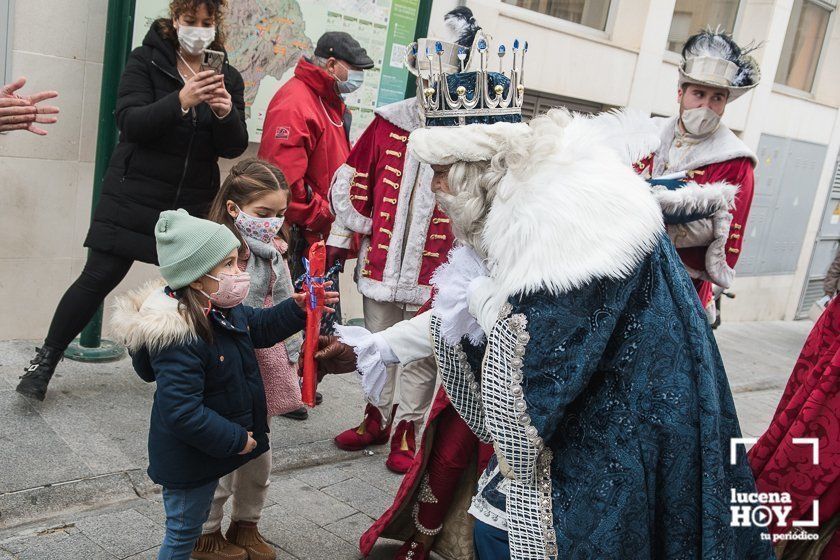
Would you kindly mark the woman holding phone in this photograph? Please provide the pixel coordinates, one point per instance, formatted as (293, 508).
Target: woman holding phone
(176, 119)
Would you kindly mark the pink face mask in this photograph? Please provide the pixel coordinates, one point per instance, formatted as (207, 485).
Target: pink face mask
(233, 289)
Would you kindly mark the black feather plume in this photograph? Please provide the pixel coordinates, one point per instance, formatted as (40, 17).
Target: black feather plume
(462, 23)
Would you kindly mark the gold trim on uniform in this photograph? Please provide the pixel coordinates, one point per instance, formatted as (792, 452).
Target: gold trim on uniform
(438, 236)
(383, 247)
(734, 250)
(359, 186)
(430, 254)
(440, 220)
(359, 174)
(388, 232)
(393, 170)
(385, 215)
(736, 226)
(735, 236)
(393, 153)
(366, 272)
(391, 183)
(358, 197)
(694, 172)
(391, 200)
(396, 136)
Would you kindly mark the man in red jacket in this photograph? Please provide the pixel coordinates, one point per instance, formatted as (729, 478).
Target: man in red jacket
(306, 130)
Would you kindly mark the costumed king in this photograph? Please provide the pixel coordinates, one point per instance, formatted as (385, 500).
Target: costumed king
(598, 383)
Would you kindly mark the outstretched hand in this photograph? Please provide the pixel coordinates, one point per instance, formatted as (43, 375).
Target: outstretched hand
(23, 113)
(333, 356)
(301, 298)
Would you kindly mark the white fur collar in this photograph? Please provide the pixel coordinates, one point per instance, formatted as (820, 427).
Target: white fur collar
(404, 114)
(572, 212)
(148, 318)
(721, 146)
(632, 134)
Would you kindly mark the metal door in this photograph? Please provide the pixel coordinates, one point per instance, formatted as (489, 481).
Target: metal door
(786, 182)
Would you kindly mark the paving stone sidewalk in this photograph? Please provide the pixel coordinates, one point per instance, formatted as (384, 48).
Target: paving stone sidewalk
(72, 471)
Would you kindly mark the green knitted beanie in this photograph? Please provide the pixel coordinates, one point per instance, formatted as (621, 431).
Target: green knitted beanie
(188, 247)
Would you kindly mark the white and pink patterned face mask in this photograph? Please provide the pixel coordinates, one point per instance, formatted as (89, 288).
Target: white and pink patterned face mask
(261, 229)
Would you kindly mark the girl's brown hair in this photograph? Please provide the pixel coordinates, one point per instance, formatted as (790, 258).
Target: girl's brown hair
(195, 312)
(215, 8)
(248, 180)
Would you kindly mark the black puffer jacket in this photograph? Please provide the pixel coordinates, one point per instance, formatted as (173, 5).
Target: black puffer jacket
(163, 161)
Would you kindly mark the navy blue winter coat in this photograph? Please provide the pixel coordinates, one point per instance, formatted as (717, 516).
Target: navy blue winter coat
(209, 395)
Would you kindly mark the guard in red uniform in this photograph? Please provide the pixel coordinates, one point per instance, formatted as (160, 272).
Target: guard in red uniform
(715, 166)
(383, 195)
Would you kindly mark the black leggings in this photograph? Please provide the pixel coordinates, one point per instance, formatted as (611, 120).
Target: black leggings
(102, 273)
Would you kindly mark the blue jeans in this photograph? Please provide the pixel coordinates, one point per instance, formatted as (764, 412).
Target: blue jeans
(490, 543)
(186, 512)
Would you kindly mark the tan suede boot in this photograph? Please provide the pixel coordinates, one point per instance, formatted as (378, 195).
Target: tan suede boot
(248, 537)
(215, 547)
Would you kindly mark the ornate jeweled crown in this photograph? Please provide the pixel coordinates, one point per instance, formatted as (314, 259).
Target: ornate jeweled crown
(481, 96)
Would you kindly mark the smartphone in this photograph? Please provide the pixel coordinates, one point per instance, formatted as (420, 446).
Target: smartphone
(213, 60)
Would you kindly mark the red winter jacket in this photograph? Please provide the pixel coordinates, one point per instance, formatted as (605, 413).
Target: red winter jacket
(303, 135)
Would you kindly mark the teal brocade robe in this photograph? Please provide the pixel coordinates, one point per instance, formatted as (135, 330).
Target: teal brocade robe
(625, 386)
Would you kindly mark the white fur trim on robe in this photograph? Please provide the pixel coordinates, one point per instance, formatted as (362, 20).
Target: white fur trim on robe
(573, 213)
(445, 145)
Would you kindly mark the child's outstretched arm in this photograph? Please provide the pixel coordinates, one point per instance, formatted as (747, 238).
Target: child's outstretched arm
(179, 374)
(274, 324)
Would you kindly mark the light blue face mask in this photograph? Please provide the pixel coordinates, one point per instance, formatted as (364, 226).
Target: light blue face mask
(355, 79)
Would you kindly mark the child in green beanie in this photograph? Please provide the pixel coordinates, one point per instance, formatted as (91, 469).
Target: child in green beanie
(196, 341)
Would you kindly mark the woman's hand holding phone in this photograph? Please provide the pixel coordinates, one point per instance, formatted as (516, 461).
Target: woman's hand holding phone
(221, 102)
(200, 88)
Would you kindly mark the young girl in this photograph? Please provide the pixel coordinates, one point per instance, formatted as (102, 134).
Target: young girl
(251, 203)
(196, 341)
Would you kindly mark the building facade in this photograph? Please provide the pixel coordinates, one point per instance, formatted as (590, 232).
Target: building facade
(586, 54)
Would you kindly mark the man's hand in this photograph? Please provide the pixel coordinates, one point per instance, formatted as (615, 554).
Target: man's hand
(334, 356)
(336, 254)
(23, 113)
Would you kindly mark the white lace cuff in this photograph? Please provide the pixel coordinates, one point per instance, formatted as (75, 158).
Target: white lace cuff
(451, 302)
(372, 356)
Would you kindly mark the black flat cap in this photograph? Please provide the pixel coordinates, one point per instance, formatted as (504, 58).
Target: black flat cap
(341, 45)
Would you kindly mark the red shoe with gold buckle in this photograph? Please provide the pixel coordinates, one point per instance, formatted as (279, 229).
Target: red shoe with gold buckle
(403, 446)
(369, 432)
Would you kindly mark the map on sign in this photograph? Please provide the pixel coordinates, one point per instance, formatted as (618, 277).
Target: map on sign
(265, 39)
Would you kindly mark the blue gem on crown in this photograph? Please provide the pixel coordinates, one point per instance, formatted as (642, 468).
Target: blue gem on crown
(481, 95)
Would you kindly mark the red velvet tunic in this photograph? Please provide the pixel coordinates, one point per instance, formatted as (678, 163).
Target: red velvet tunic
(405, 234)
(809, 408)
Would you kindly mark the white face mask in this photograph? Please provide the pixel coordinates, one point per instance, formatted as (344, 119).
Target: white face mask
(195, 39)
(354, 81)
(700, 121)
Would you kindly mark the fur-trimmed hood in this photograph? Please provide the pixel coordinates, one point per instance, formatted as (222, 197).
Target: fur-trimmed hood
(568, 210)
(148, 319)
